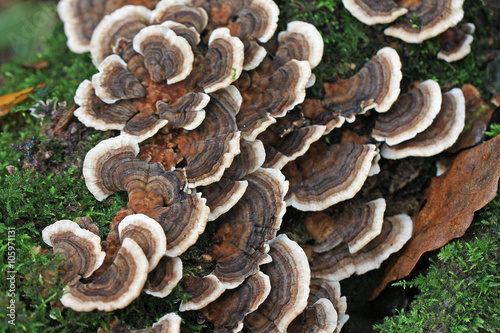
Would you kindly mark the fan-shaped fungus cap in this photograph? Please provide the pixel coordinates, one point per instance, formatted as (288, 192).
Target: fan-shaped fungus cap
(162, 280)
(455, 42)
(202, 291)
(355, 226)
(290, 276)
(147, 233)
(250, 159)
(272, 97)
(124, 22)
(434, 17)
(81, 247)
(375, 85)
(188, 33)
(166, 55)
(81, 17)
(319, 317)
(321, 288)
(259, 20)
(93, 112)
(248, 20)
(228, 311)
(301, 41)
(223, 195)
(102, 161)
(281, 150)
(411, 114)
(441, 135)
(239, 243)
(326, 175)
(224, 61)
(374, 11)
(183, 222)
(114, 82)
(338, 263)
(116, 288)
(181, 11)
(169, 323)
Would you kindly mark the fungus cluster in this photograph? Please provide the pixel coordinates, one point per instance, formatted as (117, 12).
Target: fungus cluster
(422, 20)
(218, 137)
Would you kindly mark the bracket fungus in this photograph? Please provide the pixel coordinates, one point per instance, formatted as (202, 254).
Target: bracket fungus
(166, 87)
(434, 18)
(339, 263)
(289, 275)
(238, 303)
(375, 86)
(374, 12)
(440, 135)
(116, 288)
(411, 114)
(228, 136)
(113, 166)
(326, 175)
(80, 247)
(423, 19)
(355, 226)
(81, 17)
(455, 42)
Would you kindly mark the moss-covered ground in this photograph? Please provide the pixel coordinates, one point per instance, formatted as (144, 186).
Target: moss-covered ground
(41, 182)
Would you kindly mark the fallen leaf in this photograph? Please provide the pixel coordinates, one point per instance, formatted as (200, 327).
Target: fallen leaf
(448, 206)
(37, 65)
(9, 100)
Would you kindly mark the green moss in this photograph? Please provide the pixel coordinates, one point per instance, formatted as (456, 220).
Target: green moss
(460, 291)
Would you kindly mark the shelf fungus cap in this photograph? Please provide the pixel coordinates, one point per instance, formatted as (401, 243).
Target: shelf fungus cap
(125, 22)
(116, 288)
(411, 114)
(228, 311)
(166, 55)
(455, 42)
(81, 247)
(373, 12)
(375, 86)
(202, 291)
(169, 323)
(181, 11)
(229, 53)
(319, 317)
(396, 231)
(434, 17)
(103, 158)
(147, 233)
(290, 277)
(260, 19)
(91, 107)
(163, 279)
(326, 175)
(76, 25)
(442, 133)
(338, 263)
(114, 82)
(303, 42)
(355, 226)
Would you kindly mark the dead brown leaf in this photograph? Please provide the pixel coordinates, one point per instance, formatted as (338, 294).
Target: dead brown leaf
(42, 64)
(448, 206)
(9, 100)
